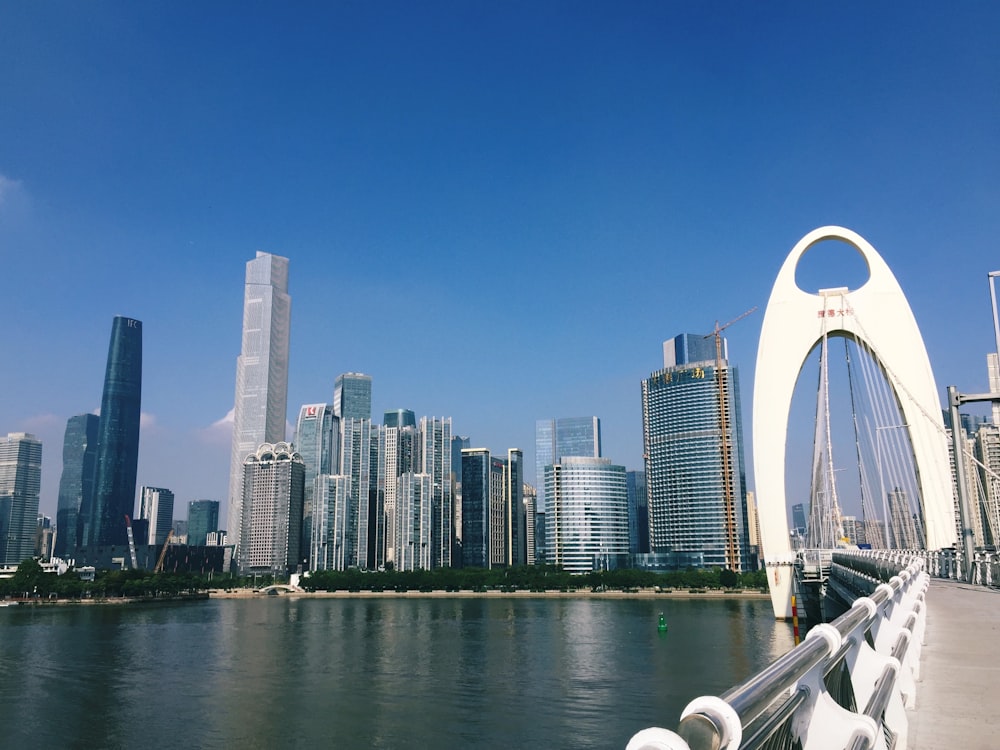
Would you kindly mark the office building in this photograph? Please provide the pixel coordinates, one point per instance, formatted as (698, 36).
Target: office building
(568, 436)
(638, 512)
(76, 484)
(363, 524)
(261, 399)
(587, 516)
(397, 455)
(800, 523)
(203, 519)
(693, 447)
(317, 440)
(352, 396)
(273, 494)
(458, 442)
(156, 505)
(44, 538)
(117, 437)
(20, 484)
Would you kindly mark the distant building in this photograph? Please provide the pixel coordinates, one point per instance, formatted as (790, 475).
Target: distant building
(530, 521)
(20, 483)
(696, 481)
(273, 494)
(352, 396)
(515, 521)
(203, 519)
(76, 484)
(216, 538)
(117, 437)
(180, 532)
(413, 522)
(587, 515)
(261, 399)
(156, 505)
(44, 537)
(799, 522)
(435, 453)
(902, 528)
(638, 512)
(334, 528)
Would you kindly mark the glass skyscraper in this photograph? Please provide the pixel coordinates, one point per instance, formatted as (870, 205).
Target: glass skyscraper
(568, 436)
(435, 445)
(203, 518)
(156, 505)
(76, 484)
(352, 396)
(261, 400)
(317, 440)
(689, 511)
(117, 437)
(587, 517)
(638, 512)
(20, 484)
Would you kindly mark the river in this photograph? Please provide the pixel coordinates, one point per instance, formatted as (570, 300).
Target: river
(287, 672)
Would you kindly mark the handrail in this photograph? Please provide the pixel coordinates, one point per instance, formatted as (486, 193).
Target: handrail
(794, 683)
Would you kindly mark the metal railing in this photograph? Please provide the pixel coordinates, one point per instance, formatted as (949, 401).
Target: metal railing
(808, 698)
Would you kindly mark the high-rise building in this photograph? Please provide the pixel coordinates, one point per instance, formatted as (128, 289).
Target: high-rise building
(397, 455)
(985, 511)
(693, 446)
(435, 453)
(362, 533)
(458, 442)
(203, 519)
(352, 396)
(413, 522)
(156, 505)
(567, 436)
(76, 485)
(44, 538)
(317, 440)
(476, 508)
(587, 516)
(333, 544)
(902, 527)
(515, 522)
(530, 519)
(117, 437)
(800, 523)
(20, 484)
(272, 510)
(638, 512)
(261, 401)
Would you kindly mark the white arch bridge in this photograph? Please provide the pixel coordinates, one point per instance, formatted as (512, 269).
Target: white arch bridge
(853, 683)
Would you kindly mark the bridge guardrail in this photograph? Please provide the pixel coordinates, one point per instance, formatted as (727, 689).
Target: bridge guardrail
(869, 657)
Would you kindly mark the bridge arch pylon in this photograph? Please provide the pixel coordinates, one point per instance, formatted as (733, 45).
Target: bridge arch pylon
(795, 321)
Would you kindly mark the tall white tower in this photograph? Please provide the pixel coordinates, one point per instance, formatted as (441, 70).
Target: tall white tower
(261, 373)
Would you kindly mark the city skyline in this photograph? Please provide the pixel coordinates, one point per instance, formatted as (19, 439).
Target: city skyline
(640, 171)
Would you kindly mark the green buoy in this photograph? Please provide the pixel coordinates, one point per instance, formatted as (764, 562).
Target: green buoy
(662, 624)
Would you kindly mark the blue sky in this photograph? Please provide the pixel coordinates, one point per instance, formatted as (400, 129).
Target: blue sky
(498, 210)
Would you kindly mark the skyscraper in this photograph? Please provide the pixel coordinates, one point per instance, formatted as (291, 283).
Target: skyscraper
(272, 510)
(516, 531)
(692, 431)
(317, 437)
(638, 512)
(203, 519)
(261, 399)
(76, 485)
(352, 396)
(475, 508)
(20, 484)
(156, 505)
(117, 437)
(587, 517)
(435, 462)
(568, 436)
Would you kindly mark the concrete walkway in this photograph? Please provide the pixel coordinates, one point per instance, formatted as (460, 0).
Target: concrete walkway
(958, 694)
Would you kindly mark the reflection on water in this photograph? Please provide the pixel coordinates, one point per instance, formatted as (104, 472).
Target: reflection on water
(380, 673)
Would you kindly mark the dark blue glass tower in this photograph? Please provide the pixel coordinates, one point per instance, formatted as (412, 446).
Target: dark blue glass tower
(117, 436)
(76, 485)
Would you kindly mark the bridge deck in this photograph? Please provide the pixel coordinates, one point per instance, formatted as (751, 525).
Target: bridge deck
(957, 702)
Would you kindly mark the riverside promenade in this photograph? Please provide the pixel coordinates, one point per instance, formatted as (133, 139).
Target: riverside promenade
(958, 693)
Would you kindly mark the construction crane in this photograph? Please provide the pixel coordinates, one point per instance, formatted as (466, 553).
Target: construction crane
(131, 542)
(163, 552)
(721, 380)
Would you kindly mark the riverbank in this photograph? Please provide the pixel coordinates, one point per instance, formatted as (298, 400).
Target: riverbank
(120, 600)
(713, 594)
